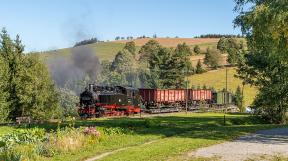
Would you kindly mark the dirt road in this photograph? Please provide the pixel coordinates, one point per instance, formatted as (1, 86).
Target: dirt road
(262, 143)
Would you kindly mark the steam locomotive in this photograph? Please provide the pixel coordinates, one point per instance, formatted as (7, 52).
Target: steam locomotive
(99, 101)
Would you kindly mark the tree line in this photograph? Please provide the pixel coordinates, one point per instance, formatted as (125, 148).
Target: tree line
(86, 42)
(219, 36)
(155, 66)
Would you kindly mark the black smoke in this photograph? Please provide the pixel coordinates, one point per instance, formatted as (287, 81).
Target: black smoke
(76, 71)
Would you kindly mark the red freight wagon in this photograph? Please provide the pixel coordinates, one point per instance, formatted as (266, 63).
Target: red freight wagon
(197, 95)
(148, 95)
(162, 95)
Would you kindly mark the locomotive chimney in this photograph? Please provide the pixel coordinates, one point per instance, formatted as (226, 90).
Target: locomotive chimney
(91, 87)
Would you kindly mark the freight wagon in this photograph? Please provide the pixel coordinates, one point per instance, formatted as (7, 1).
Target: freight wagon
(166, 100)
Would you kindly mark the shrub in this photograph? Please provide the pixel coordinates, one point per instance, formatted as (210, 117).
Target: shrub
(22, 136)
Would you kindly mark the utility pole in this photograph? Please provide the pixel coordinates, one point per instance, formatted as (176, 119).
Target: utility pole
(226, 91)
(226, 95)
(186, 105)
(186, 76)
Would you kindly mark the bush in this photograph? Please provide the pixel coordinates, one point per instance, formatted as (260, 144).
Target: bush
(212, 58)
(21, 153)
(22, 136)
(20, 144)
(32, 144)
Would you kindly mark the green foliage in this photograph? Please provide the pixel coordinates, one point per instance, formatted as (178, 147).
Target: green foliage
(68, 100)
(265, 63)
(11, 55)
(86, 42)
(238, 99)
(131, 47)
(199, 68)
(212, 57)
(115, 78)
(221, 45)
(204, 86)
(38, 96)
(32, 144)
(150, 48)
(183, 50)
(233, 47)
(169, 67)
(123, 61)
(124, 69)
(4, 105)
(197, 50)
(22, 136)
(219, 36)
(29, 90)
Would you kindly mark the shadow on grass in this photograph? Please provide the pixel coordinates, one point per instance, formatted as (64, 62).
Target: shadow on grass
(192, 126)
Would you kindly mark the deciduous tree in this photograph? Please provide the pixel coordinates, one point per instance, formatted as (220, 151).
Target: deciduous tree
(151, 47)
(199, 68)
(131, 47)
(239, 99)
(197, 50)
(212, 57)
(265, 65)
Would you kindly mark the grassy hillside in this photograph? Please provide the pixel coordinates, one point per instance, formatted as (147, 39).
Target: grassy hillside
(217, 79)
(194, 59)
(104, 50)
(173, 42)
(108, 50)
(203, 43)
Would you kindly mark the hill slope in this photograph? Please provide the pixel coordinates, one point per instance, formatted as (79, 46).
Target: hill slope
(173, 42)
(217, 79)
(108, 50)
(104, 50)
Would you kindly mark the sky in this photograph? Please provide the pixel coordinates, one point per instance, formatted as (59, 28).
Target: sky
(53, 24)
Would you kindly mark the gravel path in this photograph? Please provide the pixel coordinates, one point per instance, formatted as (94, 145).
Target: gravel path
(265, 142)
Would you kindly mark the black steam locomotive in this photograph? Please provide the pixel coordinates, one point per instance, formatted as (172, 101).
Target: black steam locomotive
(98, 101)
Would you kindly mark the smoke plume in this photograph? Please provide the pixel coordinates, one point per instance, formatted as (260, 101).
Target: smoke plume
(74, 73)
